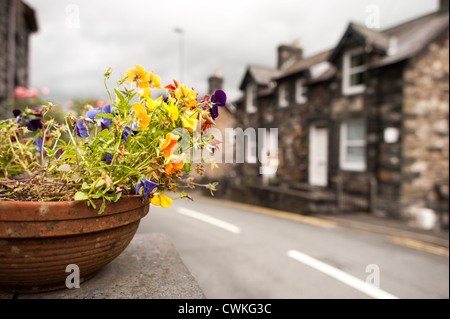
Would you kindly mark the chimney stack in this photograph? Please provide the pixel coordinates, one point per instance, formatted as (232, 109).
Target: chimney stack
(289, 54)
(215, 82)
(443, 6)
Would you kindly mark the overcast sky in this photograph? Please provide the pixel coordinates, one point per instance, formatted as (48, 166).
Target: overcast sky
(78, 40)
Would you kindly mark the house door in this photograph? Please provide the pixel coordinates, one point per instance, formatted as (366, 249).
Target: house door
(318, 156)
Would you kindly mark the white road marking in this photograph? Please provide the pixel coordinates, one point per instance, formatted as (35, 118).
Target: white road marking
(347, 279)
(208, 219)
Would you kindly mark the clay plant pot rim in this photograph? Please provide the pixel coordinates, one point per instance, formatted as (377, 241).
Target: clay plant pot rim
(66, 218)
(67, 210)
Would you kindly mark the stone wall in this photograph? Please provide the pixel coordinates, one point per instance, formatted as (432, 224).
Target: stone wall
(4, 9)
(387, 115)
(425, 148)
(21, 50)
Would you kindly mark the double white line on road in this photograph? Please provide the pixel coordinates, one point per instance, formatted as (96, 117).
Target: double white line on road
(208, 219)
(347, 279)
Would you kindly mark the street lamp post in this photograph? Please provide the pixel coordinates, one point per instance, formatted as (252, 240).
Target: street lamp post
(181, 33)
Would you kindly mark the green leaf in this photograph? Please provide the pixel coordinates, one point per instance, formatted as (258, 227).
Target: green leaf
(85, 186)
(102, 208)
(106, 115)
(103, 134)
(187, 167)
(119, 95)
(81, 196)
(100, 183)
(117, 196)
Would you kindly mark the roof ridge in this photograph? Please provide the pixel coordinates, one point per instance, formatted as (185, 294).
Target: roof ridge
(426, 16)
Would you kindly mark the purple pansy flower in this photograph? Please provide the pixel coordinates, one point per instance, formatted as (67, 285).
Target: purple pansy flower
(81, 128)
(38, 143)
(33, 125)
(108, 158)
(148, 186)
(105, 121)
(219, 98)
(126, 132)
(17, 115)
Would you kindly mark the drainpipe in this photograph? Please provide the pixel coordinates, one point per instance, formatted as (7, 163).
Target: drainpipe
(11, 49)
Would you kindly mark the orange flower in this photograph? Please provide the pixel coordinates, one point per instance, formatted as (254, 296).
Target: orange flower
(141, 114)
(174, 167)
(155, 80)
(169, 144)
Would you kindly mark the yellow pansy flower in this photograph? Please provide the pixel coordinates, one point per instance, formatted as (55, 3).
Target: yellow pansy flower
(173, 111)
(138, 75)
(189, 120)
(155, 80)
(145, 94)
(141, 114)
(186, 96)
(161, 200)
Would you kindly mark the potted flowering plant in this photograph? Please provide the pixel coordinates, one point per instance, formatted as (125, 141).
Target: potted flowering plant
(114, 161)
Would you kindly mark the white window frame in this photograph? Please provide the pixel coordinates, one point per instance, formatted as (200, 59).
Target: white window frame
(251, 152)
(250, 98)
(283, 95)
(348, 71)
(345, 143)
(300, 91)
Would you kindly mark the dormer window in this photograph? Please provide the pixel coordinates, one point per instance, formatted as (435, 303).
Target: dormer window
(300, 91)
(250, 98)
(353, 72)
(283, 95)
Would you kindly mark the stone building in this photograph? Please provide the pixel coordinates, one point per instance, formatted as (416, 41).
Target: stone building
(17, 22)
(361, 127)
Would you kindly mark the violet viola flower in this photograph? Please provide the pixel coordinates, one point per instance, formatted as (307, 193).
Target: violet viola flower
(105, 121)
(82, 130)
(18, 115)
(108, 158)
(126, 132)
(148, 186)
(38, 143)
(33, 125)
(219, 98)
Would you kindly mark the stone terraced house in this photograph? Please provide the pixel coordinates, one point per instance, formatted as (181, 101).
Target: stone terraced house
(361, 127)
(17, 23)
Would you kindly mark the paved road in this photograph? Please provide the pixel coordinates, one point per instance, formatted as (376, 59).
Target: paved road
(238, 253)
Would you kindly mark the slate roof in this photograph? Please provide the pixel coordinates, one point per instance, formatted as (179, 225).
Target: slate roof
(412, 37)
(261, 75)
(308, 64)
(395, 44)
(398, 43)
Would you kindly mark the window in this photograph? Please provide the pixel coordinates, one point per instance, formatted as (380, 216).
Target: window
(283, 95)
(354, 67)
(250, 94)
(300, 91)
(353, 146)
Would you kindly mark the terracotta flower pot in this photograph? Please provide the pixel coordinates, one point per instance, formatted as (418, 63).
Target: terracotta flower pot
(38, 240)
